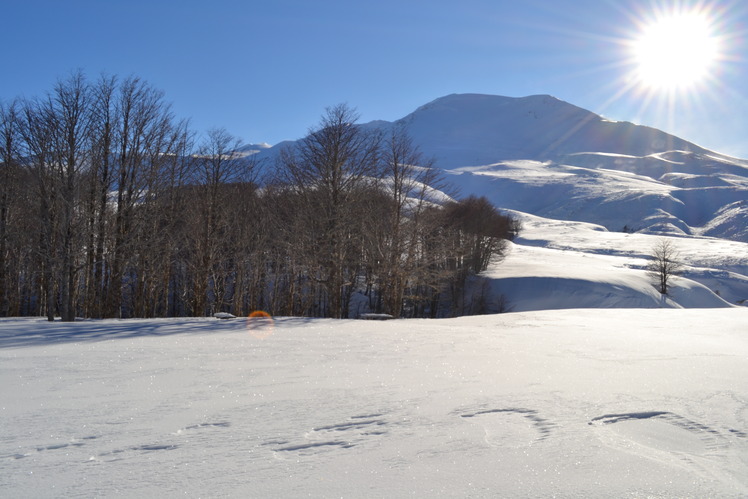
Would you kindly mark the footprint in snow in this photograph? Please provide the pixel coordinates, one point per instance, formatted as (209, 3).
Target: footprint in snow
(511, 427)
(51, 447)
(337, 436)
(662, 430)
(202, 426)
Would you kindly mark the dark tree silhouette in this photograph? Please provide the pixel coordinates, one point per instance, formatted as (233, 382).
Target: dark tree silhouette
(664, 265)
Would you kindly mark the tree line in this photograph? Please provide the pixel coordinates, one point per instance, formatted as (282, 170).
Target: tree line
(110, 206)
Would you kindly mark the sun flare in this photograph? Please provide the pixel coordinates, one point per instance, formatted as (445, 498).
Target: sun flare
(676, 51)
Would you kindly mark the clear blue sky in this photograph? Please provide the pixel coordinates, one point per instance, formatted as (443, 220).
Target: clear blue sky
(265, 71)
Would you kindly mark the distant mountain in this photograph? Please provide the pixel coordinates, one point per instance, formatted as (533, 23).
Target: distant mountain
(254, 148)
(546, 157)
(473, 130)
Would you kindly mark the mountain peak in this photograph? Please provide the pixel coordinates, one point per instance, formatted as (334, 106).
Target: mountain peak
(463, 98)
(479, 129)
(460, 100)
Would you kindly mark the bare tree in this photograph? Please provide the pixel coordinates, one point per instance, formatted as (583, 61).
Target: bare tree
(10, 142)
(142, 120)
(477, 236)
(69, 110)
(218, 167)
(664, 264)
(480, 230)
(100, 184)
(37, 132)
(408, 180)
(156, 229)
(328, 168)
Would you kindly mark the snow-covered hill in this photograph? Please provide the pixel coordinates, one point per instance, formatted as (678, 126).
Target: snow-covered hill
(559, 265)
(547, 158)
(541, 402)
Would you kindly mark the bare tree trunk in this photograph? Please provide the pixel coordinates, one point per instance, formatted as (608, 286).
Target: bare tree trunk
(10, 137)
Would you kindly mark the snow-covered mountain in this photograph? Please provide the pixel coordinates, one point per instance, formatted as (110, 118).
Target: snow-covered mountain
(546, 157)
(548, 160)
(471, 129)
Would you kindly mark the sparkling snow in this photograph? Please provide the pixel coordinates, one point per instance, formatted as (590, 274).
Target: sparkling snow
(565, 403)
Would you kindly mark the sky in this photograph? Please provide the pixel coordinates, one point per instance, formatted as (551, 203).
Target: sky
(266, 71)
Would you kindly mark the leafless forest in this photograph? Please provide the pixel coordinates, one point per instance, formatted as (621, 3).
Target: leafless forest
(110, 206)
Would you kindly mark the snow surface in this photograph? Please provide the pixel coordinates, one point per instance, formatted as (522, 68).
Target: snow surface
(564, 403)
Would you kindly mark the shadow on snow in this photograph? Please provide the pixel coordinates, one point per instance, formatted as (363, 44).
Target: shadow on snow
(38, 331)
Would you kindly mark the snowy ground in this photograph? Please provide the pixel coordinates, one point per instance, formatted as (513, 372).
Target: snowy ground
(564, 403)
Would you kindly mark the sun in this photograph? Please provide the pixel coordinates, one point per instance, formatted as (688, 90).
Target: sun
(676, 51)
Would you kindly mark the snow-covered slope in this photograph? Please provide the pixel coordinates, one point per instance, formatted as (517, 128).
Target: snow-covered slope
(578, 403)
(715, 205)
(559, 264)
(544, 157)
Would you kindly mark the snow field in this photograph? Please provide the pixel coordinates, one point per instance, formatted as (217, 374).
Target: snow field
(571, 403)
